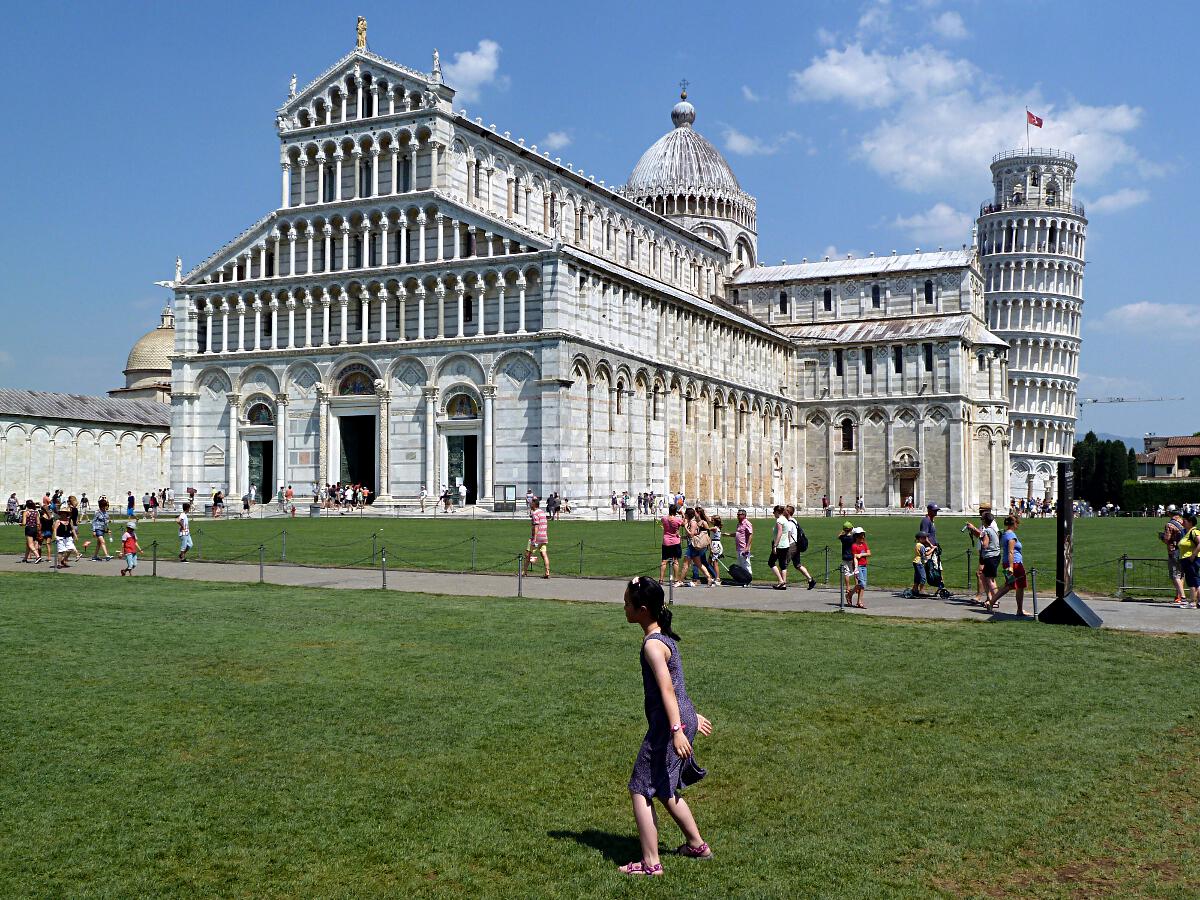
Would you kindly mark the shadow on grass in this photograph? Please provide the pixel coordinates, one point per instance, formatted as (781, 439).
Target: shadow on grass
(616, 848)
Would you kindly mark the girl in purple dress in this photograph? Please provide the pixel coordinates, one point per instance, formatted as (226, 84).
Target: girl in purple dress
(673, 723)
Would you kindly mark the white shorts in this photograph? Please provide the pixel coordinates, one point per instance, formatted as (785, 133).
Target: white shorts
(65, 544)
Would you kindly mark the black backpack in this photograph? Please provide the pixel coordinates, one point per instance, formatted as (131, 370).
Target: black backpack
(801, 539)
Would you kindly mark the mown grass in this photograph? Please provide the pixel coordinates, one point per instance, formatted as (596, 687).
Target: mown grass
(620, 549)
(163, 738)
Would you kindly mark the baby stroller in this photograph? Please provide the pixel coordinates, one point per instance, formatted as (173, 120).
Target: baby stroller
(933, 577)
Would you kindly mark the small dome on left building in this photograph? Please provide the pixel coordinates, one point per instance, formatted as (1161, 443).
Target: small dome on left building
(148, 366)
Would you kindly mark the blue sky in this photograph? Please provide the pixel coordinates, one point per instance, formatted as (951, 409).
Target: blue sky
(140, 131)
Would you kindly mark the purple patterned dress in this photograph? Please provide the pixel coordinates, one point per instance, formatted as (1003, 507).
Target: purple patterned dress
(656, 771)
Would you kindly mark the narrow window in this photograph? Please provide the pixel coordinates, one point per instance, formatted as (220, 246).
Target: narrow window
(838, 362)
(735, 296)
(358, 253)
(847, 434)
(516, 196)
(875, 298)
(270, 265)
(468, 308)
(620, 399)
(898, 359)
(1041, 445)
(928, 357)
(868, 361)
(783, 303)
(928, 291)
(982, 363)
(828, 300)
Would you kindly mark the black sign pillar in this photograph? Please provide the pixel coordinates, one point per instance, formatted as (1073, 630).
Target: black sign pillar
(1067, 608)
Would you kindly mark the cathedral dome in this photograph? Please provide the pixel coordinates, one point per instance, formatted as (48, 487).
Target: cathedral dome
(682, 159)
(152, 352)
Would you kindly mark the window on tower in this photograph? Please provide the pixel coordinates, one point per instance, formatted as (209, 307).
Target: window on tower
(828, 299)
(928, 291)
(928, 357)
(783, 303)
(839, 362)
(868, 361)
(898, 359)
(876, 299)
(847, 429)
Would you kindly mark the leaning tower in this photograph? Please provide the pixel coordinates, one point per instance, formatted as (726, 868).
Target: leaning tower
(1031, 238)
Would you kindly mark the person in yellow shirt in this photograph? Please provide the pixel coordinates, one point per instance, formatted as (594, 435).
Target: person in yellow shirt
(921, 555)
(1189, 559)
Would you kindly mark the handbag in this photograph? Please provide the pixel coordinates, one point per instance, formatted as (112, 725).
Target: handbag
(700, 540)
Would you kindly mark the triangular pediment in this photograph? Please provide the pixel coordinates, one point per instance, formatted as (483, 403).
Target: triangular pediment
(364, 62)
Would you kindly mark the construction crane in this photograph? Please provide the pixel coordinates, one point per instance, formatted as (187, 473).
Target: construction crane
(1128, 399)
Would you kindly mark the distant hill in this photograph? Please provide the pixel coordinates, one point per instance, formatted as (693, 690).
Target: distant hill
(1136, 443)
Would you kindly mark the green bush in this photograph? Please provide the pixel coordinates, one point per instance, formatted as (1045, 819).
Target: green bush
(1140, 494)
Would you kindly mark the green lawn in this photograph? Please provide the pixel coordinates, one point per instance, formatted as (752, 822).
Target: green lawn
(168, 738)
(620, 549)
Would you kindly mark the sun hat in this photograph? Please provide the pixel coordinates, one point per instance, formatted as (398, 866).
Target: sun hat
(132, 523)
(847, 524)
(858, 530)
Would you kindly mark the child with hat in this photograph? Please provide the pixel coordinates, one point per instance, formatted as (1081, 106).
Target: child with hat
(129, 547)
(861, 551)
(846, 539)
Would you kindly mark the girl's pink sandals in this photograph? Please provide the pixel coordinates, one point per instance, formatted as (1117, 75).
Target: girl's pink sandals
(640, 868)
(701, 852)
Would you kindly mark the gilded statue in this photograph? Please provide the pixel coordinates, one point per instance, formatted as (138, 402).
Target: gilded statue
(362, 33)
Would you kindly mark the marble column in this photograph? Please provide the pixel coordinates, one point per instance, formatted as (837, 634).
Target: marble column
(257, 306)
(208, 316)
(308, 305)
(521, 304)
(489, 396)
(324, 319)
(322, 435)
(365, 299)
(440, 290)
(281, 454)
(225, 325)
(231, 452)
(287, 185)
(383, 313)
(383, 488)
(431, 398)
(500, 304)
(343, 304)
(458, 293)
(274, 305)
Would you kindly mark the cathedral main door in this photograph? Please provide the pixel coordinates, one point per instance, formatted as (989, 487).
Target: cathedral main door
(357, 451)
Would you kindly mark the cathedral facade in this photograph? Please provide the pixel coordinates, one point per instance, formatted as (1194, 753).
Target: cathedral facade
(434, 303)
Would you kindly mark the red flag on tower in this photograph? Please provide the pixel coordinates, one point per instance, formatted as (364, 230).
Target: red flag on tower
(1033, 120)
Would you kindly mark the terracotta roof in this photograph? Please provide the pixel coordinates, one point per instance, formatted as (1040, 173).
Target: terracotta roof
(83, 408)
(1184, 440)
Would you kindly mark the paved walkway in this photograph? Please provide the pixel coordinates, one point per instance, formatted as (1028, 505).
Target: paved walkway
(1126, 616)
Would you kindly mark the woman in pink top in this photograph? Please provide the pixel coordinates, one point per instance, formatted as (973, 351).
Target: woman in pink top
(672, 548)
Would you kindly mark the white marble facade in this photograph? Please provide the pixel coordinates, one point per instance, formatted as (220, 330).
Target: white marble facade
(434, 301)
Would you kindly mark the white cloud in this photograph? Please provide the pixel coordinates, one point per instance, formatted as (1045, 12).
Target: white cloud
(941, 224)
(939, 120)
(749, 145)
(875, 79)
(949, 25)
(749, 95)
(555, 140)
(876, 17)
(1108, 385)
(1147, 317)
(471, 70)
(825, 37)
(1125, 198)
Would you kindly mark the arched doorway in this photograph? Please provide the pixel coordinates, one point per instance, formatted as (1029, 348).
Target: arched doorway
(461, 439)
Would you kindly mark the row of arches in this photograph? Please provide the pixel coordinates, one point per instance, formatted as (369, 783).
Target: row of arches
(1009, 234)
(1043, 315)
(1035, 275)
(472, 303)
(370, 237)
(704, 203)
(331, 170)
(361, 95)
(1051, 356)
(79, 459)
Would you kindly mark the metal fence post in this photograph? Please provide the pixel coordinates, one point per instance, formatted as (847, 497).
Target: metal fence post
(1033, 592)
(262, 552)
(154, 559)
(383, 565)
(826, 564)
(283, 549)
(520, 575)
(473, 543)
(374, 536)
(967, 557)
(671, 592)
(196, 542)
(581, 556)
(1121, 577)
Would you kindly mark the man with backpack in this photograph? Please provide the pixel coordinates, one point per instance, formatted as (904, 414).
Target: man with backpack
(799, 545)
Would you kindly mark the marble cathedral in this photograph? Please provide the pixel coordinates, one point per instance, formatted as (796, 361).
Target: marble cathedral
(434, 302)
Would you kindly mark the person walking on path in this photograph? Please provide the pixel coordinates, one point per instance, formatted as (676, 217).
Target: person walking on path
(1189, 560)
(64, 538)
(46, 522)
(424, 497)
(672, 548)
(671, 725)
(846, 569)
(99, 532)
(185, 532)
(861, 554)
(462, 493)
(539, 536)
(153, 507)
(743, 540)
(1171, 535)
(799, 545)
(130, 504)
(781, 549)
(698, 541)
(927, 527)
(989, 554)
(129, 547)
(1014, 565)
(31, 523)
